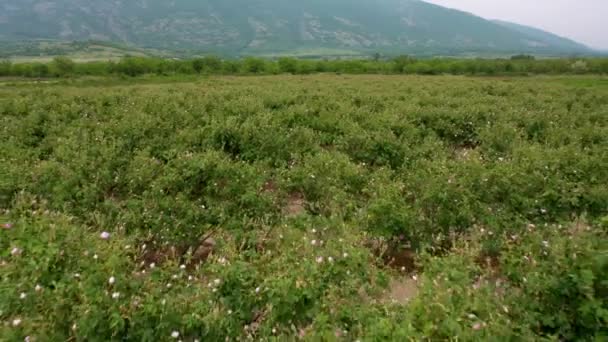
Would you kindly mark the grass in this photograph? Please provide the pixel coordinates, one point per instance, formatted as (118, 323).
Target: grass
(323, 207)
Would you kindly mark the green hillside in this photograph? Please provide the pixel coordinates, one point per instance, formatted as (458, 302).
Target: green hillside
(81, 51)
(542, 36)
(267, 27)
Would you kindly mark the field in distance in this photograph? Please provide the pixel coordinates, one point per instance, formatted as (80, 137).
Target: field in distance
(44, 51)
(322, 207)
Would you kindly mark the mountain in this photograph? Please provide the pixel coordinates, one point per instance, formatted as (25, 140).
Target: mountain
(271, 27)
(543, 37)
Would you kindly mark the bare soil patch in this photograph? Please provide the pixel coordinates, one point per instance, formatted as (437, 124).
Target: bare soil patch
(296, 205)
(401, 291)
(189, 255)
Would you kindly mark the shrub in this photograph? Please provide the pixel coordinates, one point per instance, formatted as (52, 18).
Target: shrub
(268, 208)
(63, 66)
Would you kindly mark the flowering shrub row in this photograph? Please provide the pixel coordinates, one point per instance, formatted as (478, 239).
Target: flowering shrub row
(318, 208)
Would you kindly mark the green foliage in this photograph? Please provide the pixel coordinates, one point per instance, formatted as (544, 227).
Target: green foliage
(522, 57)
(252, 65)
(288, 65)
(134, 66)
(5, 68)
(401, 62)
(208, 64)
(567, 287)
(63, 66)
(580, 67)
(138, 66)
(308, 185)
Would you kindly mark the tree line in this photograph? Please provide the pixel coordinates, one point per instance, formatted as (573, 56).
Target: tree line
(136, 66)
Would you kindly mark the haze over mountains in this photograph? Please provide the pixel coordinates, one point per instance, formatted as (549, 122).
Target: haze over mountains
(277, 27)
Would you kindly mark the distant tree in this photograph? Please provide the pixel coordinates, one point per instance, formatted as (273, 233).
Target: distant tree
(213, 63)
(134, 66)
(523, 57)
(401, 62)
(164, 67)
(306, 67)
(40, 70)
(254, 65)
(322, 66)
(184, 67)
(63, 66)
(97, 68)
(198, 65)
(353, 67)
(209, 64)
(231, 67)
(131, 66)
(456, 67)
(5, 68)
(603, 66)
(471, 66)
(22, 69)
(580, 67)
(377, 56)
(288, 65)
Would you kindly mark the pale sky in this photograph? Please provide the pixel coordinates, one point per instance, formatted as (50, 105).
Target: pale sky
(585, 21)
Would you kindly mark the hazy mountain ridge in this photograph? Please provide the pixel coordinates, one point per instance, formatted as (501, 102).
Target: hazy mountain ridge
(274, 27)
(541, 35)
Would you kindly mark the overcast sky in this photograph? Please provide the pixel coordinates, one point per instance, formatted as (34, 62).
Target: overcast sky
(585, 21)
